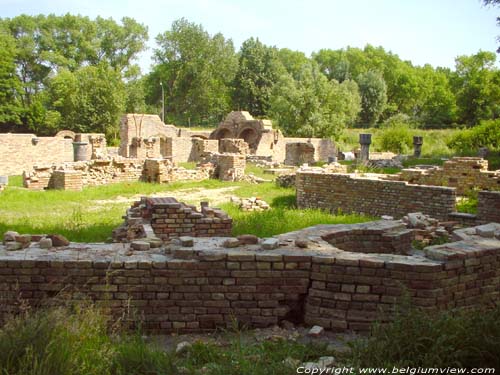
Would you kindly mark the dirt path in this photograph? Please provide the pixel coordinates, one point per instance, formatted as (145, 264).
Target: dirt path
(190, 196)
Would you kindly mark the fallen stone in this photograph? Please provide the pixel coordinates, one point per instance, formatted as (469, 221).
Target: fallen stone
(315, 331)
(487, 230)
(301, 243)
(270, 244)
(140, 245)
(24, 239)
(231, 242)
(10, 236)
(154, 242)
(291, 362)
(387, 217)
(45, 243)
(326, 362)
(58, 240)
(186, 241)
(182, 347)
(13, 246)
(37, 237)
(248, 239)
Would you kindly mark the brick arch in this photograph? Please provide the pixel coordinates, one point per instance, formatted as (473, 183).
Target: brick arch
(250, 136)
(66, 134)
(222, 133)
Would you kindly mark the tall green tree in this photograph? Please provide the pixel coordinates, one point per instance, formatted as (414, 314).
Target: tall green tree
(259, 69)
(477, 86)
(10, 86)
(373, 91)
(91, 99)
(196, 70)
(313, 106)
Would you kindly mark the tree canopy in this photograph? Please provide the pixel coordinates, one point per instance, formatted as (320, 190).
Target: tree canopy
(81, 74)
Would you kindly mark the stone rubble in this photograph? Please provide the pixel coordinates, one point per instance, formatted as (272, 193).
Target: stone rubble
(251, 204)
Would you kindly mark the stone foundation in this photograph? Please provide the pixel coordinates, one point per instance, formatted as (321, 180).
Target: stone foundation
(186, 289)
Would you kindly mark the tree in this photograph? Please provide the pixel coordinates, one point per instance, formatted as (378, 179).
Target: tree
(10, 86)
(196, 70)
(477, 85)
(258, 70)
(373, 92)
(494, 3)
(90, 99)
(313, 106)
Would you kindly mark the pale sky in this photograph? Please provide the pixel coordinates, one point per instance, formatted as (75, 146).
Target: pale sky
(422, 31)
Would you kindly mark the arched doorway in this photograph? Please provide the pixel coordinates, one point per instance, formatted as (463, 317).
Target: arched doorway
(250, 136)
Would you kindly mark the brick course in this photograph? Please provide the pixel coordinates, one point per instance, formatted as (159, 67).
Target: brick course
(370, 196)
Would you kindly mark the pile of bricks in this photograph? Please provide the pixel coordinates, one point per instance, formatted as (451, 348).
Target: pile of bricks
(460, 172)
(169, 218)
(66, 180)
(251, 204)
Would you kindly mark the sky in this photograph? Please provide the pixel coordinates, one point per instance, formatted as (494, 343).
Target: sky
(421, 31)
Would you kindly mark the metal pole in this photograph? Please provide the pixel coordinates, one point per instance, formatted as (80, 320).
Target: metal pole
(162, 103)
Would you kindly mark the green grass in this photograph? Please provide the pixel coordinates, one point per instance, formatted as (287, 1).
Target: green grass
(92, 214)
(463, 338)
(434, 140)
(72, 340)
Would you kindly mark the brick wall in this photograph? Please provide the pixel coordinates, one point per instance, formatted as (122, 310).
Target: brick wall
(66, 180)
(214, 287)
(19, 152)
(349, 193)
(298, 153)
(488, 206)
(461, 173)
(233, 145)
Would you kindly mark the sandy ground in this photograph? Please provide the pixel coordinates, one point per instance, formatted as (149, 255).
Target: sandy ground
(190, 196)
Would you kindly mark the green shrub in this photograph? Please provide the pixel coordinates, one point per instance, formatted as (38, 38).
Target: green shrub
(486, 134)
(397, 139)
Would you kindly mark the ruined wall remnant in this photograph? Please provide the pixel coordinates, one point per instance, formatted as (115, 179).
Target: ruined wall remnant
(462, 173)
(169, 218)
(233, 146)
(22, 151)
(205, 285)
(263, 140)
(371, 196)
(298, 153)
(228, 167)
(163, 171)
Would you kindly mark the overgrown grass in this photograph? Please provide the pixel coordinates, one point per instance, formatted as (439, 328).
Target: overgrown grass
(77, 341)
(435, 141)
(468, 204)
(464, 338)
(91, 215)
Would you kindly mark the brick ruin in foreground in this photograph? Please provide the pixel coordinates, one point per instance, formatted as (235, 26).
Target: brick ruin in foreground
(318, 275)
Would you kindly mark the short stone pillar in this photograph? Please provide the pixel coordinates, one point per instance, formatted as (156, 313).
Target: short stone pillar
(418, 141)
(365, 141)
(80, 151)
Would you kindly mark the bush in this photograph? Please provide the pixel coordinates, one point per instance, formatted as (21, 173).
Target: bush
(397, 139)
(486, 134)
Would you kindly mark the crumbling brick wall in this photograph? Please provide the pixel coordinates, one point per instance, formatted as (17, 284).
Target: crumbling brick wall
(370, 196)
(233, 146)
(461, 173)
(298, 153)
(260, 288)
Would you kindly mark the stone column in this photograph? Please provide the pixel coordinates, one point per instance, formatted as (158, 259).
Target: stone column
(365, 141)
(418, 141)
(80, 151)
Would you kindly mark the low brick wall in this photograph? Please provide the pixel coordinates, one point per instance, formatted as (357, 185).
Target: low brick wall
(206, 286)
(370, 196)
(461, 173)
(488, 206)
